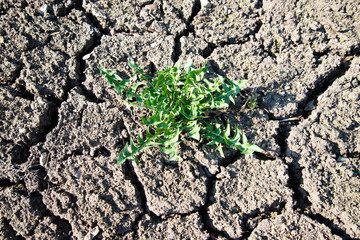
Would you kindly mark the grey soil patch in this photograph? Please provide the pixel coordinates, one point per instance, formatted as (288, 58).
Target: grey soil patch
(150, 51)
(291, 226)
(171, 189)
(241, 21)
(176, 227)
(247, 194)
(48, 73)
(22, 120)
(62, 125)
(330, 160)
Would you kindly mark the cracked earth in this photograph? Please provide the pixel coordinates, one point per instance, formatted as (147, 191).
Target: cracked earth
(62, 125)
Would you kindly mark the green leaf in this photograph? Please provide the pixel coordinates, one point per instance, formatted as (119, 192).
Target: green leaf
(132, 90)
(121, 159)
(244, 139)
(175, 137)
(170, 150)
(175, 157)
(177, 99)
(140, 139)
(155, 119)
(240, 84)
(219, 148)
(195, 131)
(133, 146)
(133, 65)
(170, 138)
(188, 65)
(248, 148)
(190, 114)
(231, 142)
(124, 155)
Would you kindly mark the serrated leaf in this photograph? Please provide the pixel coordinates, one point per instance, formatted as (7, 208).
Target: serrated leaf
(140, 139)
(151, 144)
(121, 160)
(231, 99)
(155, 119)
(132, 90)
(133, 148)
(178, 96)
(175, 138)
(124, 154)
(189, 116)
(248, 148)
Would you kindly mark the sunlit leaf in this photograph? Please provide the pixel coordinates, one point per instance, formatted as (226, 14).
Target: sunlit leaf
(167, 150)
(195, 132)
(179, 100)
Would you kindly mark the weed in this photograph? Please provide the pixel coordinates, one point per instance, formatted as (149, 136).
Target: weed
(252, 103)
(180, 99)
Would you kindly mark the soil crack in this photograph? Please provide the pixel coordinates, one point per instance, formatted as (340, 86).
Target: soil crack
(326, 83)
(253, 219)
(189, 29)
(129, 172)
(90, 96)
(294, 170)
(300, 196)
(10, 233)
(63, 225)
(330, 224)
(204, 217)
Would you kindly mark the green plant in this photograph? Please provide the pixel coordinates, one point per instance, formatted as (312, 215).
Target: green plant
(252, 103)
(181, 99)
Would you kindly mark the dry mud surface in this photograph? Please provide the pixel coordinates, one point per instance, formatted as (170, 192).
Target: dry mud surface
(62, 125)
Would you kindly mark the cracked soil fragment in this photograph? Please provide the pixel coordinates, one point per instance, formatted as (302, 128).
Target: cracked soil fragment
(246, 189)
(177, 227)
(22, 120)
(291, 226)
(327, 146)
(171, 189)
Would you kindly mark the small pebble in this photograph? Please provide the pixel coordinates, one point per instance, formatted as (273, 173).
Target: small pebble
(354, 82)
(43, 159)
(90, 235)
(205, 4)
(342, 159)
(87, 56)
(22, 130)
(151, 6)
(78, 173)
(43, 9)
